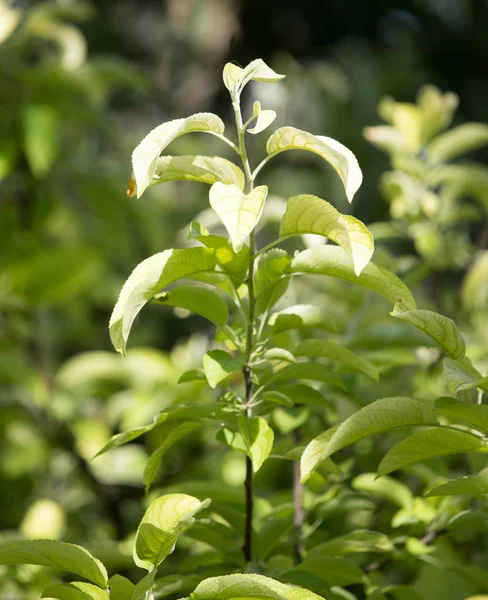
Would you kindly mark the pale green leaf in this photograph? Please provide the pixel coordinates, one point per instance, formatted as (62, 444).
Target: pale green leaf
(429, 443)
(143, 586)
(199, 300)
(272, 266)
(238, 212)
(165, 519)
(322, 349)
(457, 141)
(470, 485)
(277, 398)
(387, 138)
(145, 156)
(440, 328)
(53, 553)
(249, 587)
(235, 78)
(288, 420)
(231, 438)
(380, 416)
(120, 588)
(301, 316)
(41, 131)
(334, 261)
(258, 438)
(218, 364)
(76, 591)
(279, 354)
(386, 488)
(473, 415)
(154, 461)
(361, 540)
(310, 214)
(340, 157)
(264, 119)
(315, 454)
(461, 376)
(150, 277)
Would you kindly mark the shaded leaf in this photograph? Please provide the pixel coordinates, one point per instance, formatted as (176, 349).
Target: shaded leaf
(218, 364)
(76, 591)
(334, 571)
(361, 540)
(469, 485)
(461, 376)
(315, 454)
(301, 316)
(120, 588)
(385, 488)
(258, 438)
(473, 415)
(199, 300)
(309, 370)
(457, 141)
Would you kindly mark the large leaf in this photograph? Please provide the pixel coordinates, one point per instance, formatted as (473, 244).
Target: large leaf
(470, 485)
(334, 261)
(199, 300)
(218, 365)
(176, 434)
(51, 553)
(239, 212)
(429, 443)
(310, 214)
(235, 78)
(473, 415)
(457, 141)
(165, 519)
(150, 277)
(323, 349)
(383, 415)
(249, 587)
(258, 438)
(76, 591)
(315, 454)
(145, 156)
(440, 328)
(340, 157)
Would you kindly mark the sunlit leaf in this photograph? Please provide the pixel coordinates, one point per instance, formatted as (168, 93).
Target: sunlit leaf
(457, 141)
(315, 454)
(470, 485)
(322, 349)
(301, 316)
(166, 518)
(9, 19)
(386, 488)
(120, 588)
(334, 261)
(264, 118)
(235, 78)
(199, 300)
(279, 354)
(53, 553)
(258, 438)
(145, 156)
(310, 214)
(76, 591)
(218, 364)
(239, 212)
(440, 328)
(429, 443)
(340, 157)
(150, 277)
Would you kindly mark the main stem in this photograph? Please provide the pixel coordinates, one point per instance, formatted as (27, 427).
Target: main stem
(247, 369)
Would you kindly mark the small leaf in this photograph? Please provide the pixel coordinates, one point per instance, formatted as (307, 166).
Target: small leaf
(150, 277)
(145, 156)
(340, 157)
(301, 316)
(323, 349)
(165, 519)
(41, 131)
(239, 212)
(124, 437)
(473, 415)
(315, 454)
(461, 376)
(264, 119)
(310, 214)
(279, 354)
(235, 78)
(277, 398)
(51, 553)
(429, 443)
(173, 436)
(299, 393)
(218, 364)
(76, 590)
(120, 588)
(334, 261)
(469, 485)
(192, 375)
(457, 141)
(258, 438)
(440, 328)
(386, 488)
(248, 587)
(309, 370)
(199, 300)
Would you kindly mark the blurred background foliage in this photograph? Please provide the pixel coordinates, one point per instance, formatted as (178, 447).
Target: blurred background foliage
(80, 85)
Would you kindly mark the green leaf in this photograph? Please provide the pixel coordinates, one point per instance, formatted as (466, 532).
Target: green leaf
(120, 588)
(264, 119)
(205, 169)
(429, 443)
(474, 291)
(279, 354)
(315, 454)
(271, 533)
(249, 587)
(218, 364)
(144, 585)
(119, 439)
(361, 540)
(41, 131)
(76, 591)
(310, 214)
(386, 488)
(277, 398)
(231, 438)
(473, 415)
(300, 393)
(340, 157)
(270, 285)
(309, 370)
(469, 485)
(238, 212)
(192, 375)
(52, 553)
(301, 316)
(383, 415)
(258, 438)
(461, 376)
(150, 277)
(323, 349)
(334, 571)
(287, 420)
(165, 519)
(199, 300)
(235, 78)
(334, 261)
(145, 156)
(440, 328)
(173, 436)
(457, 141)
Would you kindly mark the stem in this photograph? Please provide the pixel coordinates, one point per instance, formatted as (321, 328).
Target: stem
(247, 369)
(298, 516)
